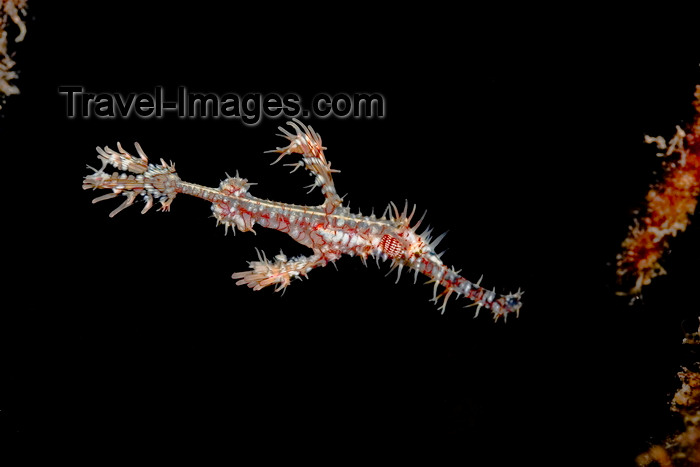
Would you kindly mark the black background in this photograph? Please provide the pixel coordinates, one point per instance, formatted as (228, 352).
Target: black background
(126, 337)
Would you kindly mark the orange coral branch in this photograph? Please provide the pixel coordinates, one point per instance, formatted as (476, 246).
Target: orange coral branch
(669, 205)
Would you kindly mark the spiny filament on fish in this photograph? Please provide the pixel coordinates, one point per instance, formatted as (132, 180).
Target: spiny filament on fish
(329, 230)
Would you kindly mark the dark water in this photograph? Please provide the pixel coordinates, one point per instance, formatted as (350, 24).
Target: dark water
(127, 338)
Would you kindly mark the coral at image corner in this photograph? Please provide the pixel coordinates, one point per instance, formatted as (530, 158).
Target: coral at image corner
(682, 449)
(11, 10)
